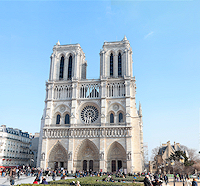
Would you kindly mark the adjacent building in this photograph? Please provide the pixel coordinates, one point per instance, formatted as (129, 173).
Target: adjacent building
(91, 124)
(34, 148)
(14, 147)
(161, 160)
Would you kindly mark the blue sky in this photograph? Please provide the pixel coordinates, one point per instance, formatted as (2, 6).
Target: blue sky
(165, 40)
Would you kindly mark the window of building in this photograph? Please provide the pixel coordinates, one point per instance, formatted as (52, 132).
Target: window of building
(120, 117)
(67, 119)
(70, 68)
(119, 65)
(58, 119)
(111, 118)
(61, 67)
(111, 64)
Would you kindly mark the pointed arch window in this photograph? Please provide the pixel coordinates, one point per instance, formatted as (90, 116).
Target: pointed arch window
(58, 119)
(61, 67)
(67, 119)
(70, 68)
(111, 118)
(119, 64)
(111, 64)
(120, 117)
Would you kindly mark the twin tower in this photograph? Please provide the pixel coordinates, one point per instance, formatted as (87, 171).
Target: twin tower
(91, 125)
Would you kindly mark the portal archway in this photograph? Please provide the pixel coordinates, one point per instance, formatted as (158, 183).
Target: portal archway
(87, 156)
(58, 157)
(116, 157)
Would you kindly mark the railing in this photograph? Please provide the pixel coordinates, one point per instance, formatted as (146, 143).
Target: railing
(116, 89)
(89, 90)
(110, 131)
(87, 125)
(63, 91)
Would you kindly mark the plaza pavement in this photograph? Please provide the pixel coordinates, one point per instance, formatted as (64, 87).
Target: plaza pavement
(178, 183)
(5, 181)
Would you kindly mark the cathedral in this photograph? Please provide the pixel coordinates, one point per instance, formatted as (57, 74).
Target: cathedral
(91, 125)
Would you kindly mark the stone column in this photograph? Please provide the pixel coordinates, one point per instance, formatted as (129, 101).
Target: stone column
(71, 157)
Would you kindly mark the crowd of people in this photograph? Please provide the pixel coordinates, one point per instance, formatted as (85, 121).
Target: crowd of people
(41, 175)
(158, 180)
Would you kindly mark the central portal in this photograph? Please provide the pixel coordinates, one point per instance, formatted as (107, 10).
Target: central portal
(87, 156)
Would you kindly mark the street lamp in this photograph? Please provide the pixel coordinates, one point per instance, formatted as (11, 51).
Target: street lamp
(182, 160)
(172, 164)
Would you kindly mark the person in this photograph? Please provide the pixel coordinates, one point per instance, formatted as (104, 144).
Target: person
(39, 175)
(18, 174)
(194, 182)
(166, 179)
(156, 182)
(53, 175)
(78, 183)
(44, 181)
(188, 182)
(147, 181)
(12, 176)
(72, 183)
(36, 181)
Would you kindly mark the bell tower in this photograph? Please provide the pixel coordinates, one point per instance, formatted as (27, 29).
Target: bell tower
(116, 59)
(67, 63)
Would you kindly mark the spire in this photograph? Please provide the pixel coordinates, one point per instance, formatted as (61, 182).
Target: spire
(125, 39)
(58, 43)
(140, 109)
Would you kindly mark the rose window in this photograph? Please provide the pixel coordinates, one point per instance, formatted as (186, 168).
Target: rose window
(89, 114)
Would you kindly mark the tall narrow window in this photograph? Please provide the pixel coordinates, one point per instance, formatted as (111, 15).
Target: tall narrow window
(58, 119)
(111, 64)
(119, 65)
(120, 117)
(61, 67)
(70, 68)
(111, 118)
(67, 119)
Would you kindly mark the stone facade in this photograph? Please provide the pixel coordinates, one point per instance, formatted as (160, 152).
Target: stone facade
(14, 147)
(34, 147)
(91, 124)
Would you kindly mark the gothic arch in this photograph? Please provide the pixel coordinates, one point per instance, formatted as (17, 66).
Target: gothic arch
(119, 64)
(111, 51)
(70, 54)
(60, 55)
(55, 117)
(121, 107)
(109, 115)
(123, 116)
(67, 108)
(58, 156)
(116, 157)
(67, 118)
(119, 51)
(87, 151)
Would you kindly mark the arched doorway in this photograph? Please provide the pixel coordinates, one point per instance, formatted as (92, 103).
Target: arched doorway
(85, 165)
(58, 157)
(91, 165)
(116, 157)
(87, 156)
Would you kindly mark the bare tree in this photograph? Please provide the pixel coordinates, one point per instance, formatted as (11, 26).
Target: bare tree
(193, 154)
(154, 153)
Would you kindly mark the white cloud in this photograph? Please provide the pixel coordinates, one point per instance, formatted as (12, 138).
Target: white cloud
(145, 37)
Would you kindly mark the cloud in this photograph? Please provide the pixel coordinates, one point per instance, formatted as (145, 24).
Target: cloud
(145, 37)
(109, 11)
